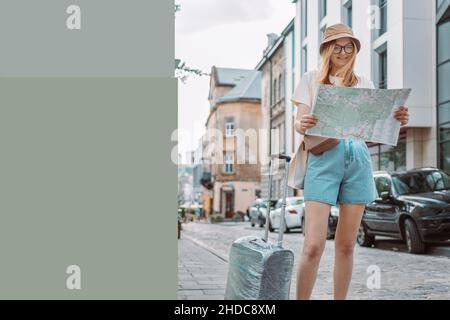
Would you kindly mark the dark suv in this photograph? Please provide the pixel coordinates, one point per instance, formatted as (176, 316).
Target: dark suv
(413, 205)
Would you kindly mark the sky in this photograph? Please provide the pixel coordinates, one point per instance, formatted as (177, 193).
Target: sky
(221, 33)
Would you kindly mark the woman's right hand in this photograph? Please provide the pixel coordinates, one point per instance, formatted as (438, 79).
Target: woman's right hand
(306, 122)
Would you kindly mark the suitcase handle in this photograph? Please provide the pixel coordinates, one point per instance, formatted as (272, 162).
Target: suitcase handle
(282, 156)
(283, 206)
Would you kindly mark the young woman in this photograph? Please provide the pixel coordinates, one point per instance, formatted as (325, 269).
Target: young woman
(341, 175)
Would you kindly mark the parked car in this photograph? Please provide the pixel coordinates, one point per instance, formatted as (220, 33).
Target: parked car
(295, 206)
(333, 219)
(295, 216)
(258, 212)
(413, 206)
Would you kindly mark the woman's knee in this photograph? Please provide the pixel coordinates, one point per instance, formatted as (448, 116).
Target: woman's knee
(313, 251)
(345, 248)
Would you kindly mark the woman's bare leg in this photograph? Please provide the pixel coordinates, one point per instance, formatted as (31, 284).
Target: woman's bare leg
(316, 220)
(350, 216)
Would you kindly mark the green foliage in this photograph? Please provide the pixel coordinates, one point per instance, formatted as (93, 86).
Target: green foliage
(183, 72)
(216, 217)
(239, 216)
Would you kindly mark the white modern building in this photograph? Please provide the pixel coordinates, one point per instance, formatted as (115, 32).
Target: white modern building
(276, 67)
(442, 20)
(399, 50)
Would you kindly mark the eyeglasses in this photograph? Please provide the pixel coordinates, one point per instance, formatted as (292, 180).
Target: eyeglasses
(347, 49)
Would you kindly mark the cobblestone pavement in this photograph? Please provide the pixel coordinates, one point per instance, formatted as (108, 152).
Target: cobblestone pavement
(201, 274)
(203, 255)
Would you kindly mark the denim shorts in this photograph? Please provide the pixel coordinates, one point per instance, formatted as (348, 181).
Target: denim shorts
(342, 174)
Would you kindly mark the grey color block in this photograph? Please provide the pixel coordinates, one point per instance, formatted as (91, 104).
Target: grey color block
(87, 180)
(118, 38)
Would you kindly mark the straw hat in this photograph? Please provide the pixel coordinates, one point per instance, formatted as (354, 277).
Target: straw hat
(338, 31)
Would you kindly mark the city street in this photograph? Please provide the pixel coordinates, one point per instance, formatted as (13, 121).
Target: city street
(203, 265)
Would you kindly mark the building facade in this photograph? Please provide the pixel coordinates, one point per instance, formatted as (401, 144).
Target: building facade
(405, 44)
(231, 159)
(399, 50)
(276, 68)
(443, 82)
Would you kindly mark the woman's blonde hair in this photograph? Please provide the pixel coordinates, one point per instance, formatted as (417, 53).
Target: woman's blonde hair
(346, 72)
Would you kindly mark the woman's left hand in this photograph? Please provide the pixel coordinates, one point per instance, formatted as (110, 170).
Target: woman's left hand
(402, 115)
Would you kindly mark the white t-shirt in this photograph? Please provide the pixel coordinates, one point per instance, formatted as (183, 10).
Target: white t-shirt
(307, 88)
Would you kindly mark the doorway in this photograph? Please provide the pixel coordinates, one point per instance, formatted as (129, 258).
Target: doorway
(229, 204)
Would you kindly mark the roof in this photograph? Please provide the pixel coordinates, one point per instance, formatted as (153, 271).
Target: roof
(246, 85)
(272, 47)
(248, 88)
(230, 76)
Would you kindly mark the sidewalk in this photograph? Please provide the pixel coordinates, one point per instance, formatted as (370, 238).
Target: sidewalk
(201, 273)
(203, 267)
(203, 270)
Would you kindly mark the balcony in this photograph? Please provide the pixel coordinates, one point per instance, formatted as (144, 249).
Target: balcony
(206, 180)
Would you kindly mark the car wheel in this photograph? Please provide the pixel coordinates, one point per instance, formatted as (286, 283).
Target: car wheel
(271, 229)
(412, 236)
(286, 229)
(262, 222)
(364, 239)
(252, 224)
(330, 234)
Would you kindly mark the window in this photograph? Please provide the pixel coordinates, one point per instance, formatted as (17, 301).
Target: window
(383, 184)
(293, 48)
(275, 91)
(295, 201)
(229, 128)
(375, 155)
(383, 16)
(304, 32)
(280, 92)
(229, 161)
(443, 82)
(443, 94)
(421, 182)
(279, 203)
(322, 31)
(390, 158)
(445, 155)
(293, 61)
(304, 17)
(304, 59)
(382, 69)
(349, 13)
(322, 9)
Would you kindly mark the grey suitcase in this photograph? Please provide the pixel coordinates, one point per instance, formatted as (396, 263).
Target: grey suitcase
(257, 269)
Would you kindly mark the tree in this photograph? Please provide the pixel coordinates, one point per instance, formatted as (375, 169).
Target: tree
(182, 71)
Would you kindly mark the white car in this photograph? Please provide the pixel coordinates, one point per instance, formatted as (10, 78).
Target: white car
(295, 208)
(333, 219)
